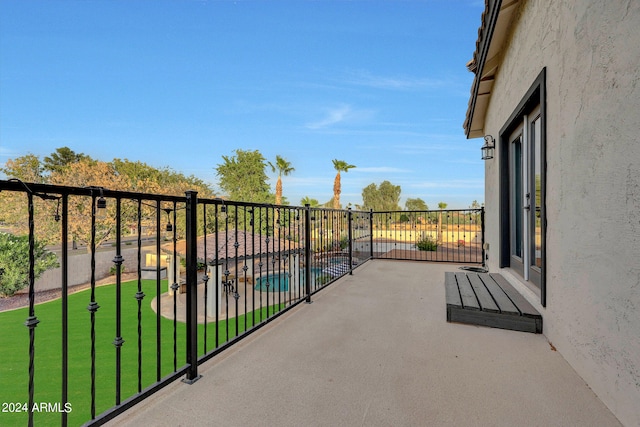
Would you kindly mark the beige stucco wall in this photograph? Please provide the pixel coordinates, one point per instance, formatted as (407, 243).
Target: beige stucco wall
(592, 53)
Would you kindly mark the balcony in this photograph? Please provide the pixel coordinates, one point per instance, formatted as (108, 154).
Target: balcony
(283, 316)
(374, 348)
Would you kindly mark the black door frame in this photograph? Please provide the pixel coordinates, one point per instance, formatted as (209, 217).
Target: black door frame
(536, 95)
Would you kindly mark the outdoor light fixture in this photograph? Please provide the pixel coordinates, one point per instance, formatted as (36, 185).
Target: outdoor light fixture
(488, 147)
(101, 207)
(169, 227)
(56, 216)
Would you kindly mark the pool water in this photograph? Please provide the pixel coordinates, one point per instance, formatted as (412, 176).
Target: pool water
(279, 282)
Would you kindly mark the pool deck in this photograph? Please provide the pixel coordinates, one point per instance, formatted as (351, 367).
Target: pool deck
(375, 349)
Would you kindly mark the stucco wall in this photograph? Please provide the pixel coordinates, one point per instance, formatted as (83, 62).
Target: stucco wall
(592, 53)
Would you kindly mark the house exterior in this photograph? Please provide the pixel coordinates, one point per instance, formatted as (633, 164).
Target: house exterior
(557, 86)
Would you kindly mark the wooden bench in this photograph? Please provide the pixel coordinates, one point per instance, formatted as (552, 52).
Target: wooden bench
(488, 299)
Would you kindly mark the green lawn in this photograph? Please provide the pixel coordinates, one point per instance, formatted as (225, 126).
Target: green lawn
(14, 352)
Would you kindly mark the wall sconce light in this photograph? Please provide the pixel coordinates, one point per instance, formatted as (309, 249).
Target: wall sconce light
(488, 147)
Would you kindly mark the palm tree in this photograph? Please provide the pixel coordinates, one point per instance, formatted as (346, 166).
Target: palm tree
(284, 168)
(441, 206)
(340, 166)
(309, 201)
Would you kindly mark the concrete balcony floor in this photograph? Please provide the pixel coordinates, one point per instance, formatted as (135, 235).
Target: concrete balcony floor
(374, 349)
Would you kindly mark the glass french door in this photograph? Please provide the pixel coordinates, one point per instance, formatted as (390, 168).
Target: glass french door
(525, 198)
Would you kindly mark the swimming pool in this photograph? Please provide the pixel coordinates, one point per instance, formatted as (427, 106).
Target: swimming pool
(279, 282)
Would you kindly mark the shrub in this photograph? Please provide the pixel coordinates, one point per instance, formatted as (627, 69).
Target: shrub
(14, 259)
(112, 270)
(344, 243)
(427, 244)
(323, 279)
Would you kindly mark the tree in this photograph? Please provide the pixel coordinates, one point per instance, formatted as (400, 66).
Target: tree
(242, 177)
(284, 168)
(340, 166)
(27, 168)
(309, 201)
(441, 206)
(415, 205)
(13, 205)
(14, 259)
(148, 179)
(62, 158)
(384, 197)
(90, 173)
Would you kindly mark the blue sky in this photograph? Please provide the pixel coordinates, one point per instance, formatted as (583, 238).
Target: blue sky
(379, 84)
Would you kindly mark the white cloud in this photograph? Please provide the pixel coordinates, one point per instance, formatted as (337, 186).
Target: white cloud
(342, 114)
(381, 169)
(365, 78)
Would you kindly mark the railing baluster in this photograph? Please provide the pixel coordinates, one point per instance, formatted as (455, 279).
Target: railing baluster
(158, 299)
(32, 321)
(244, 267)
(93, 306)
(118, 342)
(217, 276)
(236, 294)
(139, 294)
(174, 287)
(307, 252)
(226, 272)
(65, 306)
(260, 263)
(205, 277)
(252, 223)
(267, 257)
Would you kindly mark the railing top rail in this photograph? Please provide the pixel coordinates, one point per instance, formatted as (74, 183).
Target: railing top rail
(49, 189)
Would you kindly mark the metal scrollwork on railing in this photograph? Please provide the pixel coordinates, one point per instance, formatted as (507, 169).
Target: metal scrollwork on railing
(230, 288)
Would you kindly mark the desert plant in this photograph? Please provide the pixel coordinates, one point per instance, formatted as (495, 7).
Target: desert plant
(427, 243)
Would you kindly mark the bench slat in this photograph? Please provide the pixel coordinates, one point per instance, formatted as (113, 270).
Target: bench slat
(484, 297)
(523, 305)
(504, 303)
(469, 300)
(452, 293)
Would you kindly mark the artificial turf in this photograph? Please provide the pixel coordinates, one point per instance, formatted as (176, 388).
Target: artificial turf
(14, 352)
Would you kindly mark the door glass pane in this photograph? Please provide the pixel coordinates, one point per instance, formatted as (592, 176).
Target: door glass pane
(516, 191)
(536, 257)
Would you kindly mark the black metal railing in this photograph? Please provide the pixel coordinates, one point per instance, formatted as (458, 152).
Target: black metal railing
(191, 277)
(244, 265)
(437, 235)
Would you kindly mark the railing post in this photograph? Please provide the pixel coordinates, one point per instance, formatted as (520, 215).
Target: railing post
(307, 252)
(371, 233)
(192, 283)
(350, 242)
(482, 240)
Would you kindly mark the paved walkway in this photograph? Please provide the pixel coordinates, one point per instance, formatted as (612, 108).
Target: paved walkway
(374, 349)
